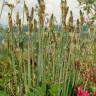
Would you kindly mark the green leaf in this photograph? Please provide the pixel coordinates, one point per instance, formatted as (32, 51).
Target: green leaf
(54, 89)
(38, 91)
(3, 93)
(30, 94)
(94, 17)
(41, 90)
(4, 55)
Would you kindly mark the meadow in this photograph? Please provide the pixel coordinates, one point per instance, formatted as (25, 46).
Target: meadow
(48, 61)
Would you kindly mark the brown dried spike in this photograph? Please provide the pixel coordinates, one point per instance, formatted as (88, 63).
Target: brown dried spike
(65, 2)
(19, 21)
(51, 22)
(81, 17)
(38, 1)
(10, 22)
(81, 12)
(17, 18)
(66, 11)
(70, 22)
(30, 27)
(32, 13)
(20, 28)
(41, 12)
(30, 24)
(78, 28)
(78, 22)
(71, 17)
(62, 6)
(43, 6)
(35, 25)
(9, 16)
(9, 5)
(26, 10)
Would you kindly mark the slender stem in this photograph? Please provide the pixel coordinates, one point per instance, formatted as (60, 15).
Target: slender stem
(29, 65)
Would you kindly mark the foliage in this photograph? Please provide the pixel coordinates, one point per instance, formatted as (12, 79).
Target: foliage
(47, 61)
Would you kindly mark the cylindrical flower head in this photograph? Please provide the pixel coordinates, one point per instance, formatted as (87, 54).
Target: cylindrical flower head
(38, 1)
(26, 11)
(71, 18)
(78, 27)
(70, 22)
(81, 17)
(41, 11)
(64, 10)
(43, 7)
(10, 22)
(51, 22)
(20, 27)
(32, 13)
(63, 6)
(17, 18)
(35, 25)
(11, 6)
(30, 24)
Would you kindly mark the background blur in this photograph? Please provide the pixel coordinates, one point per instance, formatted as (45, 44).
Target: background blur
(52, 6)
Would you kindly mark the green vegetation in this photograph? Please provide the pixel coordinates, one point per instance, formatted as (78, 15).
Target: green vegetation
(46, 61)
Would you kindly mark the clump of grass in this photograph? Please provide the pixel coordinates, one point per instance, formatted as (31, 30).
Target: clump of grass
(46, 62)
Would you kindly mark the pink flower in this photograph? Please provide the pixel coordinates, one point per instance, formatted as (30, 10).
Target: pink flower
(94, 93)
(81, 92)
(86, 93)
